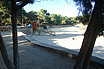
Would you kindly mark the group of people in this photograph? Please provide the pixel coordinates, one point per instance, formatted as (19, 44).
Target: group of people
(28, 25)
(33, 26)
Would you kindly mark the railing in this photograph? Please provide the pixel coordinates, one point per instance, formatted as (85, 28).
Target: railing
(26, 30)
(48, 31)
(29, 31)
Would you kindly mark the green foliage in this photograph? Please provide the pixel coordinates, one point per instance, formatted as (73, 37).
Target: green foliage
(6, 16)
(43, 11)
(80, 18)
(46, 19)
(29, 17)
(83, 19)
(55, 19)
(86, 7)
(1, 13)
(32, 15)
(4, 12)
(47, 14)
(63, 22)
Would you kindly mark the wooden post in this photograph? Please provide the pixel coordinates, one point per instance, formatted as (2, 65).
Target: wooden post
(14, 32)
(39, 26)
(39, 23)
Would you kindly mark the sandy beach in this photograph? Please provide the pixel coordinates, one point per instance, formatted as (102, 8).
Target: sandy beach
(69, 37)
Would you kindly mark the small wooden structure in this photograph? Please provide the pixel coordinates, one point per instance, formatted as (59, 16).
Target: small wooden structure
(48, 31)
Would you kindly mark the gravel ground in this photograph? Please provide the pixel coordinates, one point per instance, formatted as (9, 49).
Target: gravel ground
(34, 57)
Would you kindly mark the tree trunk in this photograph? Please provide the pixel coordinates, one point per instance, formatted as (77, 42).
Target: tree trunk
(7, 62)
(14, 30)
(0, 22)
(94, 27)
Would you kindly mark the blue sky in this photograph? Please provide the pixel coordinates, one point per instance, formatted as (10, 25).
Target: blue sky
(56, 7)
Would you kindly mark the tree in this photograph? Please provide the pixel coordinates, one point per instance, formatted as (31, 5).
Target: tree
(31, 16)
(56, 19)
(44, 16)
(0, 18)
(5, 9)
(63, 22)
(43, 11)
(20, 16)
(8, 63)
(95, 25)
(53, 17)
(80, 18)
(47, 19)
(83, 19)
(4, 12)
(15, 5)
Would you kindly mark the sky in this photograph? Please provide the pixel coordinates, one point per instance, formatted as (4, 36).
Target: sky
(55, 7)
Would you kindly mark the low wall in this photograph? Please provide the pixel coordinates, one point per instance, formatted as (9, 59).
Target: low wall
(5, 28)
(95, 63)
(26, 30)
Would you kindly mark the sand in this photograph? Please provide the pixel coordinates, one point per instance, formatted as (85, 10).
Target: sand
(34, 57)
(69, 37)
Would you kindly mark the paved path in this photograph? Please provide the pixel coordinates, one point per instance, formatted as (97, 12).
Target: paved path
(34, 57)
